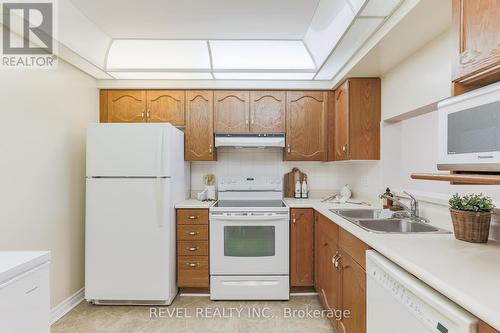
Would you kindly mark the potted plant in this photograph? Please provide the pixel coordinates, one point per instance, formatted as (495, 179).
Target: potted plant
(471, 216)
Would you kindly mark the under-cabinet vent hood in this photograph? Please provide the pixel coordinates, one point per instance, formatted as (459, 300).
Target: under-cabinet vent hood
(250, 140)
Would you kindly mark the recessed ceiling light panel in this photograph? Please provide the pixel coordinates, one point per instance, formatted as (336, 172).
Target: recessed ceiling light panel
(158, 54)
(260, 55)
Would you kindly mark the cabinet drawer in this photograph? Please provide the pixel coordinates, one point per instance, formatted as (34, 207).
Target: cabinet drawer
(192, 271)
(192, 232)
(192, 216)
(192, 248)
(354, 247)
(25, 302)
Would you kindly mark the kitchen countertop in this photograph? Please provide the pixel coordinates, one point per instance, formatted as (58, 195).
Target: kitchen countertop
(14, 263)
(194, 204)
(466, 273)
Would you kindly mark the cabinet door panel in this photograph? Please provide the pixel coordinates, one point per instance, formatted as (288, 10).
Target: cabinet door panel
(231, 110)
(476, 26)
(353, 294)
(306, 126)
(166, 106)
(485, 328)
(267, 111)
(341, 134)
(199, 133)
(301, 252)
(364, 119)
(327, 276)
(126, 106)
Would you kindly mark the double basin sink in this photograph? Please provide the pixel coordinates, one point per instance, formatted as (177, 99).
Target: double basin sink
(386, 221)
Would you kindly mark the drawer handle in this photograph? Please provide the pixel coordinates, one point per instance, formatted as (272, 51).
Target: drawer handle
(31, 290)
(192, 249)
(193, 217)
(190, 264)
(192, 233)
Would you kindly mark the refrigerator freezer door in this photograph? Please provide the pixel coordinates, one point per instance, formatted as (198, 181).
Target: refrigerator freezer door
(130, 240)
(128, 150)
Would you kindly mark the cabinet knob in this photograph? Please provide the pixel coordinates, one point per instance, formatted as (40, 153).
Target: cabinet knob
(293, 218)
(210, 149)
(148, 113)
(142, 114)
(344, 148)
(288, 148)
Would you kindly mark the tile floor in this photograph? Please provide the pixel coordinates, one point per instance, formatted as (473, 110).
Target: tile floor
(86, 318)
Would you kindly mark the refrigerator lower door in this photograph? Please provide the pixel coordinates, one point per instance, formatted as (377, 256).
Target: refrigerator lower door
(130, 241)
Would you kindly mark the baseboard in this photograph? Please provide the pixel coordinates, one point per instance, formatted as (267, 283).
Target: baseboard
(66, 306)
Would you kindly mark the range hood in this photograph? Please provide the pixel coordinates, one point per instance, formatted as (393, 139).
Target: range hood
(250, 140)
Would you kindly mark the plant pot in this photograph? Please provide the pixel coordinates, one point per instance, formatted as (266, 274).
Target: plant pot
(471, 227)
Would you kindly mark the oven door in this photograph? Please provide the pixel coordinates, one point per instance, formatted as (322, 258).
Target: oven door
(254, 244)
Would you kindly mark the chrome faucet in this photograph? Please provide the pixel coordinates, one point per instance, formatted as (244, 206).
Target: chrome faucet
(412, 210)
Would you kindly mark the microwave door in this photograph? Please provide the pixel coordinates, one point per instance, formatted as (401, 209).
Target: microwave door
(469, 134)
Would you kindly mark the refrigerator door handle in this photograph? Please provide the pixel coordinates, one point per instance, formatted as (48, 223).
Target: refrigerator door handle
(159, 154)
(159, 201)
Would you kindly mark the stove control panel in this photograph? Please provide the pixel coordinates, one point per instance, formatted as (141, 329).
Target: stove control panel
(250, 183)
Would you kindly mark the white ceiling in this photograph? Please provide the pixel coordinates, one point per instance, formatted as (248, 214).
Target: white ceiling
(395, 46)
(230, 40)
(200, 19)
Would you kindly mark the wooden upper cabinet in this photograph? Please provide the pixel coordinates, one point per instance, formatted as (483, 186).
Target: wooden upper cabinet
(353, 295)
(199, 132)
(267, 111)
(231, 110)
(341, 132)
(166, 106)
(476, 27)
(302, 247)
(485, 328)
(306, 125)
(123, 106)
(357, 120)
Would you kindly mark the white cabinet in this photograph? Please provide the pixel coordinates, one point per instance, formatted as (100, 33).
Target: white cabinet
(25, 301)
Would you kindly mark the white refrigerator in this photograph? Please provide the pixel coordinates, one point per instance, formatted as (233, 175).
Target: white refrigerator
(136, 173)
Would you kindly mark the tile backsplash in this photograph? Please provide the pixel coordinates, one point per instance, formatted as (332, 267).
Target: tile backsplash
(269, 162)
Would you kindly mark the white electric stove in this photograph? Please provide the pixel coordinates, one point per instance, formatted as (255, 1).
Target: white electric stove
(249, 240)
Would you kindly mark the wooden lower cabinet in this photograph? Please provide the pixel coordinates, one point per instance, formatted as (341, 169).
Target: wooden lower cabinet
(301, 247)
(327, 276)
(352, 294)
(192, 248)
(340, 274)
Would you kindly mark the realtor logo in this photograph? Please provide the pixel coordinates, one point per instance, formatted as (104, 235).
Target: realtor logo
(28, 34)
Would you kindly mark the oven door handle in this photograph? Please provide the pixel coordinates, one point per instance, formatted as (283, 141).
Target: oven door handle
(250, 218)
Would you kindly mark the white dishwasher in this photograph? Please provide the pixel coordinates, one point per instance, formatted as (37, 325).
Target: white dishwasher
(398, 302)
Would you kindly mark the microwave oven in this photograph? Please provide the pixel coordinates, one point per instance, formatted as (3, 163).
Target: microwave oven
(469, 131)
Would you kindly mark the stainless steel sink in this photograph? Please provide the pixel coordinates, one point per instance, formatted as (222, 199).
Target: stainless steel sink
(383, 221)
(356, 214)
(400, 226)
(359, 213)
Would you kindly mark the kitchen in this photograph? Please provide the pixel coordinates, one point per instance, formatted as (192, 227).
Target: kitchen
(258, 95)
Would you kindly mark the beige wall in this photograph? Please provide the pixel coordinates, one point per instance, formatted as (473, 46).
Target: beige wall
(419, 80)
(411, 145)
(43, 118)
